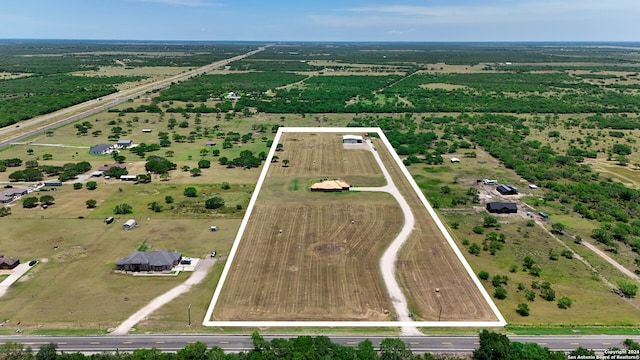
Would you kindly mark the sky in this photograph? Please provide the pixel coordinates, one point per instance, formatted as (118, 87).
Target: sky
(322, 20)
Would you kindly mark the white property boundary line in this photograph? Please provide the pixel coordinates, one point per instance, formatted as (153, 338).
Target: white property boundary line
(207, 319)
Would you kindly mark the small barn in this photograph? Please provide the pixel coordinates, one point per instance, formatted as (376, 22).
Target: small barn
(330, 186)
(507, 190)
(8, 263)
(502, 208)
(159, 260)
(124, 144)
(130, 224)
(352, 139)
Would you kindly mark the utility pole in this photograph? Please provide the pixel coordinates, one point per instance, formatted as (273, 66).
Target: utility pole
(189, 312)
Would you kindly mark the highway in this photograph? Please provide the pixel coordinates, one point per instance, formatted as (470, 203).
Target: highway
(237, 343)
(40, 124)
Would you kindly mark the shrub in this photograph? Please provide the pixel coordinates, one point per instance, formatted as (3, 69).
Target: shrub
(226, 186)
(500, 293)
(483, 275)
(530, 295)
(627, 288)
(190, 192)
(564, 302)
(535, 271)
(92, 185)
(214, 203)
(91, 203)
(478, 229)
(474, 249)
(523, 309)
(548, 294)
(168, 199)
(123, 209)
(77, 186)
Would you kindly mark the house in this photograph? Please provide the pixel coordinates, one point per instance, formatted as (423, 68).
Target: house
(160, 260)
(507, 190)
(130, 224)
(8, 263)
(455, 160)
(352, 139)
(502, 208)
(124, 144)
(10, 194)
(106, 167)
(232, 96)
(330, 185)
(100, 149)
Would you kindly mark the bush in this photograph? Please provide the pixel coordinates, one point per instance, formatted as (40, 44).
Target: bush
(548, 294)
(564, 302)
(168, 199)
(627, 288)
(535, 271)
(474, 249)
(77, 186)
(123, 209)
(226, 186)
(92, 185)
(190, 192)
(500, 293)
(530, 295)
(30, 202)
(214, 203)
(567, 253)
(483, 275)
(478, 229)
(91, 203)
(523, 309)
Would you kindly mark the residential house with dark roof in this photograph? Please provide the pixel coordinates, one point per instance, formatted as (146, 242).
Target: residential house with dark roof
(159, 260)
(8, 263)
(502, 208)
(100, 149)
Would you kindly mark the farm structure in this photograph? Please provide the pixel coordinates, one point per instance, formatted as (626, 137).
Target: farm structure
(502, 207)
(330, 185)
(507, 190)
(159, 260)
(308, 256)
(8, 263)
(124, 144)
(352, 139)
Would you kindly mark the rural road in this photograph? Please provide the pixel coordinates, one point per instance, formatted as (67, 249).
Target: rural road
(388, 260)
(42, 123)
(201, 271)
(237, 343)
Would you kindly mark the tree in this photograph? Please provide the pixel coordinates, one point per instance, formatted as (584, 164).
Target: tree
(483, 275)
(474, 249)
(195, 172)
(489, 220)
(154, 206)
(492, 346)
(77, 186)
(285, 163)
(31, 163)
(548, 293)
(394, 349)
(190, 192)
(92, 185)
(204, 164)
(225, 186)
(47, 352)
(523, 309)
(91, 203)
(5, 211)
(46, 199)
(123, 209)
(214, 203)
(30, 202)
(223, 160)
(627, 288)
(168, 199)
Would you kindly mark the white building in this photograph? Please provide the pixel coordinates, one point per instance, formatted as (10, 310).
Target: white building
(352, 139)
(130, 224)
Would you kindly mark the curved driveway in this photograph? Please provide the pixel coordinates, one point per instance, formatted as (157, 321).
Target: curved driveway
(388, 260)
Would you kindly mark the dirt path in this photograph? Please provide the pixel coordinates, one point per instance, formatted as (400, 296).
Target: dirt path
(198, 275)
(388, 260)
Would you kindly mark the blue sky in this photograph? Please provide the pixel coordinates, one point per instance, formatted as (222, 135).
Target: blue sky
(323, 20)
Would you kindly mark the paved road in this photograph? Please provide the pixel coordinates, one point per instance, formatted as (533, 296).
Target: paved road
(40, 124)
(419, 344)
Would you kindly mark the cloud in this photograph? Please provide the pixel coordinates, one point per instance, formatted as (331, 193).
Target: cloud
(494, 12)
(187, 3)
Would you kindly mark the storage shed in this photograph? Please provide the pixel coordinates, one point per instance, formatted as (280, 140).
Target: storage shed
(352, 139)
